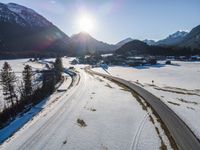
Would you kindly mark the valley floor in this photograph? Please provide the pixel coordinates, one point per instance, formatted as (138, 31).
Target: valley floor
(177, 85)
(93, 114)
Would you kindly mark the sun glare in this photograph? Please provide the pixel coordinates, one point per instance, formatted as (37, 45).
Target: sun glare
(85, 23)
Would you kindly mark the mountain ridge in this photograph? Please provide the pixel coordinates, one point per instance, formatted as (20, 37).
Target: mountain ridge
(172, 39)
(122, 42)
(25, 33)
(84, 43)
(192, 39)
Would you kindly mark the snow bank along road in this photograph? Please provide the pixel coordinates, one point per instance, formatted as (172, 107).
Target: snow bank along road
(181, 133)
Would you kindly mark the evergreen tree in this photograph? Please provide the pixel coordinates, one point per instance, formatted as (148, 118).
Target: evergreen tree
(8, 80)
(27, 80)
(58, 66)
(48, 84)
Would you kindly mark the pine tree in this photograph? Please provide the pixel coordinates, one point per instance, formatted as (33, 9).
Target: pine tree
(58, 66)
(48, 83)
(8, 80)
(27, 80)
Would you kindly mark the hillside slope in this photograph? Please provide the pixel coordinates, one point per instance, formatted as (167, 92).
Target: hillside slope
(26, 33)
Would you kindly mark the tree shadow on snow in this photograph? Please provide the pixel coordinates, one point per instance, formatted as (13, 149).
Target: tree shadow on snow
(21, 120)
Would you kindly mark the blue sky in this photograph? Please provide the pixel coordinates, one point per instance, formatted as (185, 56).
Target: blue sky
(119, 19)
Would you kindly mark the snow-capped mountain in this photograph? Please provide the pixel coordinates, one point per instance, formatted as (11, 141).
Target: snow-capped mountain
(173, 39)
(23, 33)
(121, 43)
(30, 16)
(149, 42)
(179, 34)
(8, 16)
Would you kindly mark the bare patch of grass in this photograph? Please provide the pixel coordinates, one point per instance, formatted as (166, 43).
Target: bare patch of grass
(81, 122)
(177, 90)
(108, 85)
(139, 99)
(64, 142)
(92, 109)
(177, 104)
(78, 79)
(163, 146)
(185, 101)
(99, 79)
(151, 119)
(124, 89)
(103, 147)
(190, 108)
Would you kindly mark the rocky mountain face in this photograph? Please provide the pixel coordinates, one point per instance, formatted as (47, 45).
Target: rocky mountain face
(23, 32)
(172, 39)
(183, 39)
(180, 39)
(192, 39)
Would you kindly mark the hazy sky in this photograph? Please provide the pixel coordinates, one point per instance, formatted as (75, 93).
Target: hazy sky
(115, 20)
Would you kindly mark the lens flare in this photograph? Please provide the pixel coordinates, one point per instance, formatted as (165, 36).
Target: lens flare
(85, 23)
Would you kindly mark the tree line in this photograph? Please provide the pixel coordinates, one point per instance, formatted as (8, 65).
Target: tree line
(20, 96)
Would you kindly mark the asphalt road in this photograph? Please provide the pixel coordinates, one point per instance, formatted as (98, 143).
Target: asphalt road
(181, 133)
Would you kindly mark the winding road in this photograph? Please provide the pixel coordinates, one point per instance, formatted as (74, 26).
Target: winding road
(181, 133)
(107, 124)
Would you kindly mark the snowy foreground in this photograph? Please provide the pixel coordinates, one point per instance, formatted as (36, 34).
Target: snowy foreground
(177, 85)
(113, 119)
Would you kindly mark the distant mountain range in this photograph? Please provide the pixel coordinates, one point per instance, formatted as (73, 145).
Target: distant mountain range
(140, 48)
(180, 39)
(179, 43)
(25, 33)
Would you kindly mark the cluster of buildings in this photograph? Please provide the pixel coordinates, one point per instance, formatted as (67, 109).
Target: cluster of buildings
(117, 59)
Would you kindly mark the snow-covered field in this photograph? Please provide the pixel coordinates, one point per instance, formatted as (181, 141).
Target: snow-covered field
(113, 118)
(177, 85)
(110, 117)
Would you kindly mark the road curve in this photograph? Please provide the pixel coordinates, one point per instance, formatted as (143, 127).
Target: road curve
(183, 136)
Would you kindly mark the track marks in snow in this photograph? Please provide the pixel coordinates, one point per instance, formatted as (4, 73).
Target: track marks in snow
(139, 130)
(161, 132)
(166, 141)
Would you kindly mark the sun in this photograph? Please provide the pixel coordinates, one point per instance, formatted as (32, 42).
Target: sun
(85, 23)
